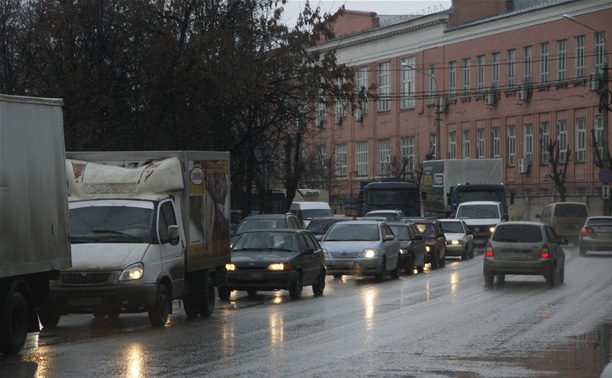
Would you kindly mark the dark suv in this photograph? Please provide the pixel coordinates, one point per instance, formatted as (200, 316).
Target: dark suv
(266, 221)
(435, 241)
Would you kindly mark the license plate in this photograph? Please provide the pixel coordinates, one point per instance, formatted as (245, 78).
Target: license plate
(84, 301)
(516, 254)
(250, 276)
(344, 265)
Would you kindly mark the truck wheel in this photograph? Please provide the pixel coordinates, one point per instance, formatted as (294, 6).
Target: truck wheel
(206, 300)
(14, 325)
(48, 318)
(190, 307)
(158, 315)
(319, 286)
(295, 291)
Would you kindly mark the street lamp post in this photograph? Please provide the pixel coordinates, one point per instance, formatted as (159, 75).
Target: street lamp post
(604, 101)
(437, 105)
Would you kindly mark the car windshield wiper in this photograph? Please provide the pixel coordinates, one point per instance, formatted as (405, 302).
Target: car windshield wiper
(83, 239)
(113, 232)
(279, 249)
(248, 249)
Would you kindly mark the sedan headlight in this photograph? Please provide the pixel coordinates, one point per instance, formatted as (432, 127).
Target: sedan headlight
(456, 242)
(403, 251)
(229, 267)
(279, 266)
(132, 272)
(427, 248)
(369, 253)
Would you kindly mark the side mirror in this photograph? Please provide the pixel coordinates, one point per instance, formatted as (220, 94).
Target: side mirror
(389, 238)
(308, 251)
(173, 234)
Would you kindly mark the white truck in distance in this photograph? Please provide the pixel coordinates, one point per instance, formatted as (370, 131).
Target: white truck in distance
(34, 239)
(481, 218)
(146, 228)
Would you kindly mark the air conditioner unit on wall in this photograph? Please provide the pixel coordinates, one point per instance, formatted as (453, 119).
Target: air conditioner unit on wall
(490, 98)
(523, 166)
(523, 93)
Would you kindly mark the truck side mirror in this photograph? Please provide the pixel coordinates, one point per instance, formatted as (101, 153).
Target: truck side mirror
(173, 234)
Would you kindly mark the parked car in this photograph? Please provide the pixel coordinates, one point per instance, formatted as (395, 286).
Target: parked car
(273, 259)
(596, 234)
(459, 239)
(412, 246)
(265, 221)
(567, 218)
(435, 241)
(388, 215)
(319, 226)
(362, 248)
(524, 248)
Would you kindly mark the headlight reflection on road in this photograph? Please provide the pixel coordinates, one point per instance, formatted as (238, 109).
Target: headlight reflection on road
(369, 302)
(227, 336)
(277, 328)
(454, 281)
(134, 359)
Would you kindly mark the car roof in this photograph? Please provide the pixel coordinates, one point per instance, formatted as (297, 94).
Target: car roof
(425, 220)
(287, 230)
(605, 217)
(479, 203)
(363, 221)
(525, 223)
(334, 218)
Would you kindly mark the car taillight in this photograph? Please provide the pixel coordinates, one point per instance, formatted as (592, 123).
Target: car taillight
(587, 230)
(489, 250)
(544, 252)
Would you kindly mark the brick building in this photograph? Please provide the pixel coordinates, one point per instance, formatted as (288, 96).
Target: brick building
(487, 78)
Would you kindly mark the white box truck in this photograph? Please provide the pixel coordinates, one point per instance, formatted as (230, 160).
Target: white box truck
(34, 239)
(147, 228)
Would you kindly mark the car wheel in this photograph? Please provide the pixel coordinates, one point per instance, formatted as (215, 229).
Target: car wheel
(420, 269)
(561, 276)
(582, 251)
(464, 255)
(435, 261)
(224, 294)
(206, 299)
(14, 325)
(471, 254)
(319, 286)
(380, 276)
(395, 273)
(550, 276)
(295, 291)
(158, 314)
(489, 278)
(501, 278)
(442, 263)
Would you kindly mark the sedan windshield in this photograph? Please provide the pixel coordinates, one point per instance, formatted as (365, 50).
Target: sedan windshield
(264, 240)
(353, 232)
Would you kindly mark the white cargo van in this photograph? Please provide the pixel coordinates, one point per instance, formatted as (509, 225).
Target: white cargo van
(307, 210)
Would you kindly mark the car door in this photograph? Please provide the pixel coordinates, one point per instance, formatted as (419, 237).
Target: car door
(391, 247)
(309, 261)
(554, 245)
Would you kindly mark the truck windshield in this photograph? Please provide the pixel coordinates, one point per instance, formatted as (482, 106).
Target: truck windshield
(111, 224)
(397, 197)
(465, 196)
(478, 211)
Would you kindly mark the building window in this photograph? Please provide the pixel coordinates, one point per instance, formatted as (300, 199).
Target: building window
(384, 157)
(432, 145)
(340, 159)
(362, 86)
(322, 160)
(562, 138)
(600, 44)
(511, 65)
(544, 142)
(580, 139)
(408, 148)
(580, 57)
(480, 74)
(433, 87)
(528, 64)
(408, 84)
(452, 79)
(528, 143)
(466, 77)
(495, 137)
(544, 51)
(562, 60)
(340, 109)
(466, 144)
(495, 71)
(480, 143)
(384, 87)
(599, 135)
(362, 158)
(452, 145)
(511, 146)
(321, 111)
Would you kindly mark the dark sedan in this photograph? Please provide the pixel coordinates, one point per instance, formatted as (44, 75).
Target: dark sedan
(412, 246)
(279, 259)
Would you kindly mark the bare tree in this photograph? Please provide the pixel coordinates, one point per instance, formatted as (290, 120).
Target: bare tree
(558, 167)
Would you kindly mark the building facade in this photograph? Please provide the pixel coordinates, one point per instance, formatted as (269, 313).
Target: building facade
(483, 79)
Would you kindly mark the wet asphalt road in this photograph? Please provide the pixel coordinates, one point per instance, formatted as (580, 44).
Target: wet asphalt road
(442, 323)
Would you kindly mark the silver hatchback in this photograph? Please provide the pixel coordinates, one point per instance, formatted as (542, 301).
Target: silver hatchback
(524, 248)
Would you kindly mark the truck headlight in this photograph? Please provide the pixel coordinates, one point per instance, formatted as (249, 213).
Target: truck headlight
(132, 272)
(369, 253)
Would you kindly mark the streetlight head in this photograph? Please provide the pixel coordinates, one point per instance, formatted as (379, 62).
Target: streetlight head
(568, 17)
